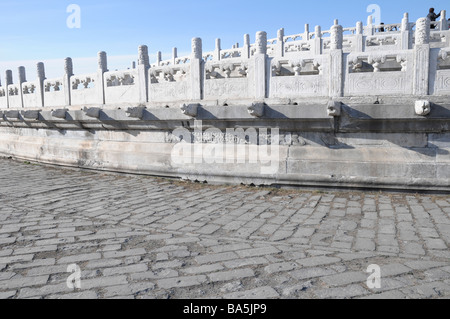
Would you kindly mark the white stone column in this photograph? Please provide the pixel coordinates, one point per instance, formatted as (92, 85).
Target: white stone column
(102, 68)
(259, 59)
(246, 48)
(40, 68)
(280, 43)
(174, 56)
(306, 34)
(359, 38)
(405, 33)
(22, 79)
(369, 29)
(443, 22)
(143, 67)
(336, 61)
(196, 69)
(8, 82)
(422, 57)
(158, 58)
(68, 72)
(318, 40)
(217, 50)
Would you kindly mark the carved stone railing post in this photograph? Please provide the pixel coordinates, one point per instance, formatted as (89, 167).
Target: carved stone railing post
(9, 81)
(405, 33)
(306, 34)
(443, 23)
(280, 43)
(22, 79)
(318, 40)
(174, 56)
(336, 60)
(68, 72)
(143, 67)
(422, 57)
(40, 68)
(246, 48)
(259, 59)
(217, 50)
(369, 29)
(102, 68)
(158, 58)
(196, 69)
(359, 38)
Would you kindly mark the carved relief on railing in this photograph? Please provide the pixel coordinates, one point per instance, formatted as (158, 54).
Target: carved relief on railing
(231, 53)
(226, 70)
(296, 67)
(208, 56)
(2, 92)
(271, 50)
(363, 84)
(29, 96)
(378, 62)
(28, 88)
(168, 74)
(226, 88)
(165, 63)
(297, 46)
(53, 86)
(119, 79)
(444, 59)
(82, 82)
(13, 90)
(326, 44)
(382, 40)
(388, 28)
(182, 60)
(438, 39)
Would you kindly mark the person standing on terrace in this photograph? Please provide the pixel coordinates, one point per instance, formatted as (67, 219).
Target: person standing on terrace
(433, 16)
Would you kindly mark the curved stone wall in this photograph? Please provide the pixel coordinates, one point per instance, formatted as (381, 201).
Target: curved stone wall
(352, 107)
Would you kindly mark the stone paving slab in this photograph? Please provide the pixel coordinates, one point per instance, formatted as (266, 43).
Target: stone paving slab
(138, 237)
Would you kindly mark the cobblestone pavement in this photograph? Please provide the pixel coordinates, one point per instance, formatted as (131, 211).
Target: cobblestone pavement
(143, 237)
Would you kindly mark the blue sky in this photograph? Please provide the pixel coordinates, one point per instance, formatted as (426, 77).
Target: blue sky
(36, 30)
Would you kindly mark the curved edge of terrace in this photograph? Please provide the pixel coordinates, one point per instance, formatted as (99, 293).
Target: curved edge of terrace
(366, 106)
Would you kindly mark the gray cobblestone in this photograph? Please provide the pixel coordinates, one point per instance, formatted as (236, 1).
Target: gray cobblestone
(78, 258)
(274, 268)
(346, 292)
(140, 237)
(345, 278)
(124, 270)
(318, 261)
(181, 282)
(262, 251)
(231, 275)
(216, 257)
(23, 282)
(258, 293)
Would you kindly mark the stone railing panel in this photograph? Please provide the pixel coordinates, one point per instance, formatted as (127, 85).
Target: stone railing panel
(389, 41)
(85, 89)
(440, 72)
(169, 83)
(30, 94)
(14, 96)
(121, 87)
(54, 92)
(376, 74)
(230, 78)
(300, 76)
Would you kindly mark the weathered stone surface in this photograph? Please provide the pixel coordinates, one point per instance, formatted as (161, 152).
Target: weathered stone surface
(123, 258)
